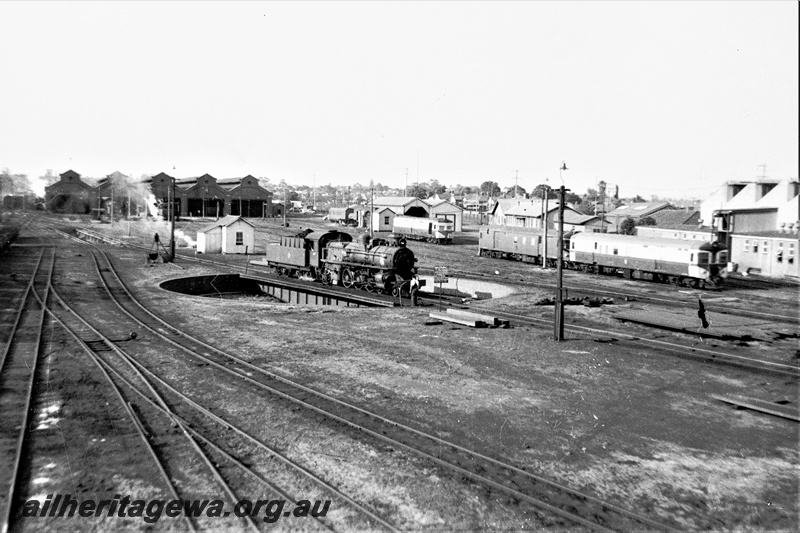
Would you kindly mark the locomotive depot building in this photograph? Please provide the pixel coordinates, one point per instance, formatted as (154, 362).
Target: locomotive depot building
(204, 196)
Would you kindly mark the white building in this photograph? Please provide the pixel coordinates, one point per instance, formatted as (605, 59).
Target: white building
(228, 235)
(447, 211)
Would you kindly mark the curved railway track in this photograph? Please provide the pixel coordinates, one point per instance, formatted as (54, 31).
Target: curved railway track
(525, 488)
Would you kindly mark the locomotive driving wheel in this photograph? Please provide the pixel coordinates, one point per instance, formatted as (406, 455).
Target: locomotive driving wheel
(348, 279)
(398, 286)
(326, 277)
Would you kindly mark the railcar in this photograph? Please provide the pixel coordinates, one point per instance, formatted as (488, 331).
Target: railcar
(434, 230)
(333, 258)
(518, 243)
(677, 261)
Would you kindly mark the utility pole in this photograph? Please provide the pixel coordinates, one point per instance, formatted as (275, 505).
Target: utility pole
(111, 210)
(602, 187)
(405, 191)
(559, 310)
(516, 182)
(284, 206)
(546, 196)
(172, 222)
(371, 215)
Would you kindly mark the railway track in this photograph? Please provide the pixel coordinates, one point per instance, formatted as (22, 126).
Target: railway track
(18, 372)
(672, 300)
(525, 488)
(661, 346)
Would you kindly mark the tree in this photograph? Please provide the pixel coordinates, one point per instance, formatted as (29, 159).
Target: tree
(591, 195)
(627, 227)
(585, 208)
(647, 221)
(434, 187)
(14, 184)
(572, 198)
(538, 192)
(418, 190)
(516, 190)
(49, 177)
(490, 188)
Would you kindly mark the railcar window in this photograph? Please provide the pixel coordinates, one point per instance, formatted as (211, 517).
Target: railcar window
(780, 252)
(702, 258)
(615, 251)
(691, 258)
(595, 246)
(747, 245)
(766, 247)
(755, 247)
(790, 255)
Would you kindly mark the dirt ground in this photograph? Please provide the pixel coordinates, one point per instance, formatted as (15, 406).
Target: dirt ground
(635, 428)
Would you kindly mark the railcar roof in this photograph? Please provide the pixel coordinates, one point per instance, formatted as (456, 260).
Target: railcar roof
(650, 241)
(515, 229)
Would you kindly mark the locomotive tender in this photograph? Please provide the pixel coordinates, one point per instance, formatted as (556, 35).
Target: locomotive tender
(375, 265)
(677, 261)
(433, 230)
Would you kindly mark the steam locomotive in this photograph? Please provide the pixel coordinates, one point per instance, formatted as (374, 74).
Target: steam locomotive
(333, 258)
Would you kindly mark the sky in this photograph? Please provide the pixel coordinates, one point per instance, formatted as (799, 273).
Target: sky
(658, 98)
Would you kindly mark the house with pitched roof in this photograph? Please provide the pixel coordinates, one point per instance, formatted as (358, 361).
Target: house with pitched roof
(635, 211)
(228, 235)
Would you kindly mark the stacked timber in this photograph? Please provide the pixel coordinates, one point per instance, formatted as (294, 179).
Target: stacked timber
(468, 318)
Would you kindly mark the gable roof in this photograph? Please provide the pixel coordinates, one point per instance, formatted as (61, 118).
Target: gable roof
(639, 209)
(395, 201)
(672, 217)
(224, 222)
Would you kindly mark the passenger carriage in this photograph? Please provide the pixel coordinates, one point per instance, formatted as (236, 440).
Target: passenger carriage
(677, 261)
